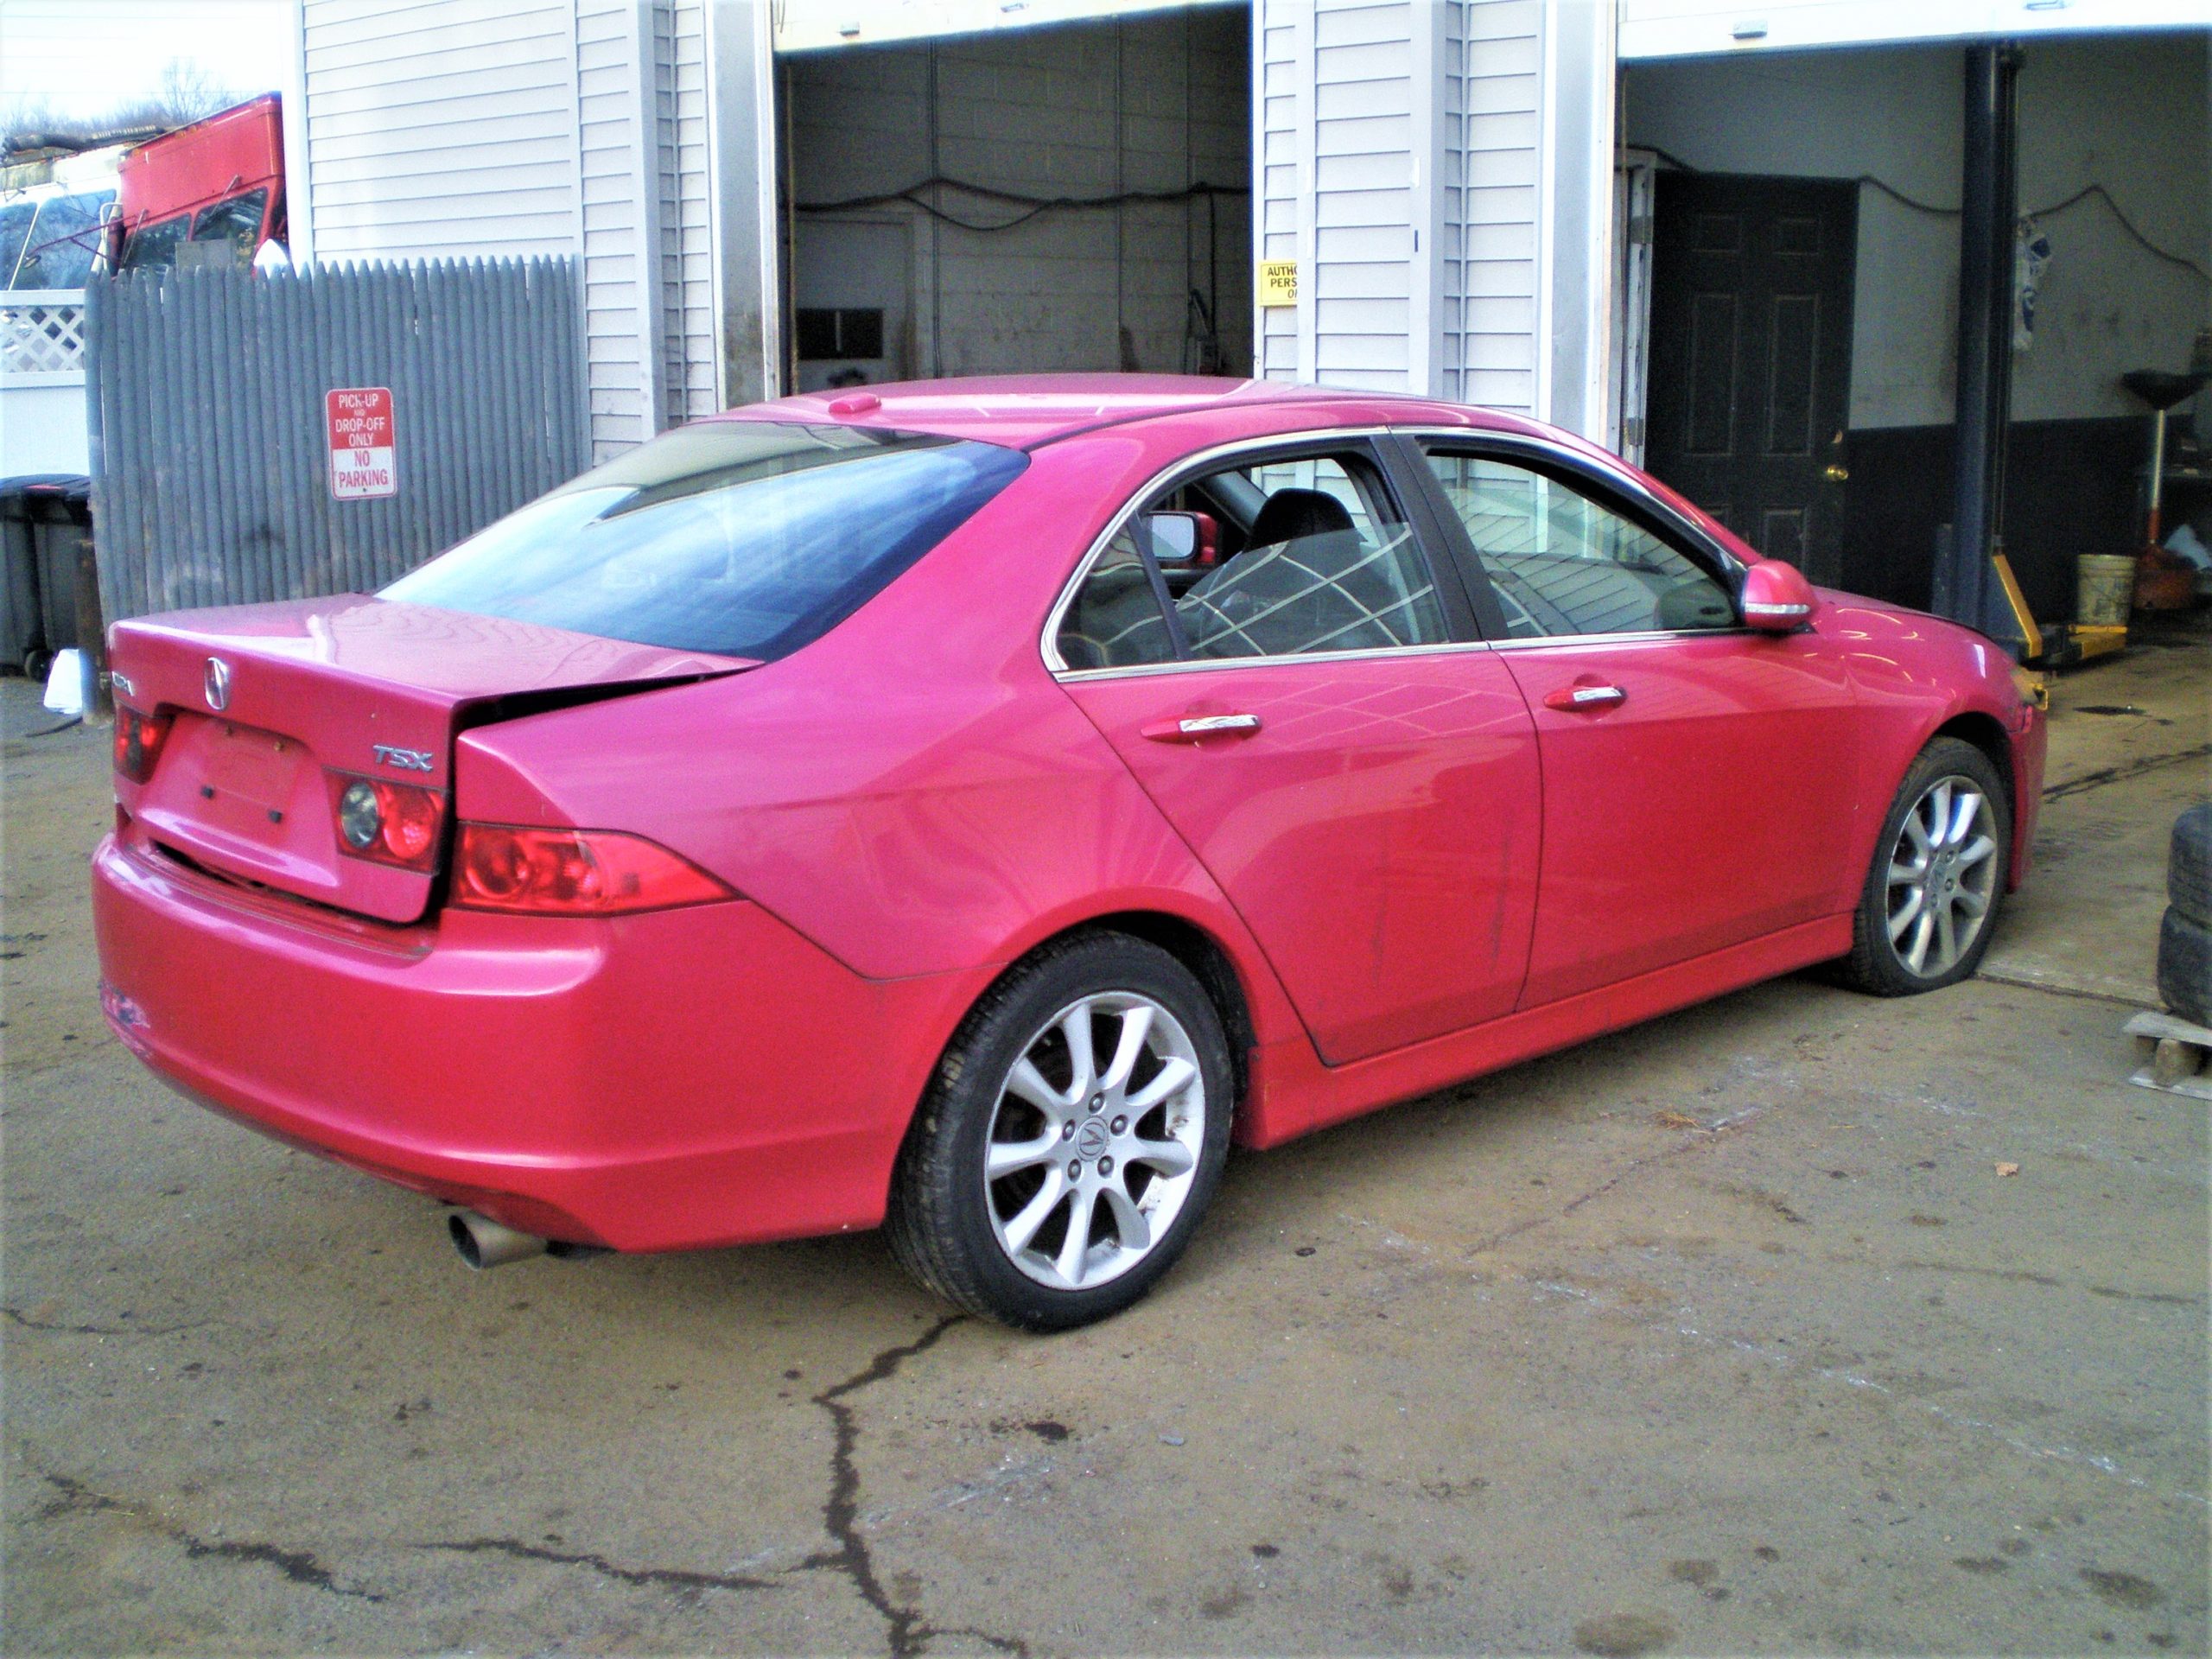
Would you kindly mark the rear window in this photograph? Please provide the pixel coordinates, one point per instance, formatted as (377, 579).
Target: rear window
(745, 538)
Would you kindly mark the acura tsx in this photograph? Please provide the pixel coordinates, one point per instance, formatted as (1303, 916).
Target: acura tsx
(967, 806)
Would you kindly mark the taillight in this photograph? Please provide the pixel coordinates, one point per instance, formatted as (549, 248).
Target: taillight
(387, 822)
(138, 739)
(573, 872)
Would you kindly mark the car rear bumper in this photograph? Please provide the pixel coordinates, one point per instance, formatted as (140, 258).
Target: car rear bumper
(671, 1080)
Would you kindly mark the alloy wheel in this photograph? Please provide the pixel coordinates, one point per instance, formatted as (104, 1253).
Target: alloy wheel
(1942, 876)
(1094, 1141)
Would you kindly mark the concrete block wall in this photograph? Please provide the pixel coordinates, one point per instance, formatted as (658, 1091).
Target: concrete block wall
(1153, 102)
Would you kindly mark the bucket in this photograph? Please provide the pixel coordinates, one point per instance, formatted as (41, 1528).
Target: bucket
(2107, 586)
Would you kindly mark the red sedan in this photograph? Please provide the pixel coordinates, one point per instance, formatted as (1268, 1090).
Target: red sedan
(972, 805)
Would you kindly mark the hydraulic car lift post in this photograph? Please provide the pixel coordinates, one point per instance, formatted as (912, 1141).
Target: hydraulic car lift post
(1967, 587)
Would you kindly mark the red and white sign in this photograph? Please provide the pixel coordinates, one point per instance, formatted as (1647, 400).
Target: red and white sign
(359, 418)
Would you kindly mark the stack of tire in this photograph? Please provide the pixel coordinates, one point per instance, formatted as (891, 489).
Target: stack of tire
(2185, 935)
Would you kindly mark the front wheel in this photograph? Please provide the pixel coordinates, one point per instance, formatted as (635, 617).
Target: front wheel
(1932, 896)
(1074, 1133)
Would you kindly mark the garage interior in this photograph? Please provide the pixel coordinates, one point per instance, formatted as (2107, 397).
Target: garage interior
(931, 231)
(1865, 147)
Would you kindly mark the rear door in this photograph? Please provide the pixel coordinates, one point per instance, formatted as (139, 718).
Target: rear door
(1312, 714)
(1697, 777)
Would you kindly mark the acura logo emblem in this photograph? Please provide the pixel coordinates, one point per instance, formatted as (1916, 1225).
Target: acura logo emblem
(216, 683)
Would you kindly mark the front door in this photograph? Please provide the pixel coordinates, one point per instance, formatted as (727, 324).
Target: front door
(1750, 377)
(1310, 711)
(1698, 778)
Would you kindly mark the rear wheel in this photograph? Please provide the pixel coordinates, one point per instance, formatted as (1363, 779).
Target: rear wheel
(1932, 896)
(1074, 1134)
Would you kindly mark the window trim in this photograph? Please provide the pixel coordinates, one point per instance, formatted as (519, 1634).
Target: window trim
(1444, 569)
(1620, 492)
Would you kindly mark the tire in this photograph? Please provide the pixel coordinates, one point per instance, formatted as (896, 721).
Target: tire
(37, 661)
(2185, 966)
(1896, 949)
(1002, 1247)
(2189, 865)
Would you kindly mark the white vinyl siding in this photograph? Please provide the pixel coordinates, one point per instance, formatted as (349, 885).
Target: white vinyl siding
(472, 128)
(1398, 163)
(1363, 195)
(1278, 161)
(1489, 308)
(445, 128)
(617, 341)
(685, 223)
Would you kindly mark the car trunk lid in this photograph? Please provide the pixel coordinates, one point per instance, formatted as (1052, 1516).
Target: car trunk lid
(272, 707)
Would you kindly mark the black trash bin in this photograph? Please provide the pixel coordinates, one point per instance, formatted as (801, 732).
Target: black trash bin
(46, 525)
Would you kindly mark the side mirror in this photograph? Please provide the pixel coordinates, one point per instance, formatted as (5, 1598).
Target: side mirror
(1183, 540)
(1776, 598)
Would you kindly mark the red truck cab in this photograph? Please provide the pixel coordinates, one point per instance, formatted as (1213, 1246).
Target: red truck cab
(212, 192)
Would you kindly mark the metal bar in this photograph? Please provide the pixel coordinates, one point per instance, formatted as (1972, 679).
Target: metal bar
(1966, 588)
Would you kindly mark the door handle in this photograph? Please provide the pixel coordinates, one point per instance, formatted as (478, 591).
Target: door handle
(1585, 699)
(1189, 728)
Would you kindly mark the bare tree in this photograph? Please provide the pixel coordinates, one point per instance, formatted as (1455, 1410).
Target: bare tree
(188, 91)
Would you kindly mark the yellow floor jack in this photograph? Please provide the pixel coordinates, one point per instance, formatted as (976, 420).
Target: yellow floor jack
(2062, 645)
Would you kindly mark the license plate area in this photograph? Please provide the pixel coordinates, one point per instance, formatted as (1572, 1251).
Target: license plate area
(250, 781)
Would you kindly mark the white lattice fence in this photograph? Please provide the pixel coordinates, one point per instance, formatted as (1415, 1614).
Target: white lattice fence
(42, 332)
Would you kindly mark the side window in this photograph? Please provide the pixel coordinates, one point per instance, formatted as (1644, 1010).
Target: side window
(1561, 563)
(1324, 562)
(237, 221)
(1115, 620)
(1276, 558)
(153, 247)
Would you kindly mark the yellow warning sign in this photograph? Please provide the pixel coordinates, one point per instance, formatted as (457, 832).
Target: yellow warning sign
(1277, 282)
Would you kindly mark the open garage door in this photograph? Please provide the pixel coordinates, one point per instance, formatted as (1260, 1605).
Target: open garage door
(1074, 196)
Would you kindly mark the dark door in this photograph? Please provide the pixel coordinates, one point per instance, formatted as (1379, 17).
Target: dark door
(1751, 356)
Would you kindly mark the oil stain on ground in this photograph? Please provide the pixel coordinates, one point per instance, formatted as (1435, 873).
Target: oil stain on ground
(1622, 1636)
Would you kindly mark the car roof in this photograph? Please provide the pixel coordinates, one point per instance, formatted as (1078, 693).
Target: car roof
(1024, 410)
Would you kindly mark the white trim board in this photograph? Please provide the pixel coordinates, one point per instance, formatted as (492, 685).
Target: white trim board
(1670, 28)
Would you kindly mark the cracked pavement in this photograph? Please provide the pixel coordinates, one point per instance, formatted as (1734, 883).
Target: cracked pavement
(1718, 1335)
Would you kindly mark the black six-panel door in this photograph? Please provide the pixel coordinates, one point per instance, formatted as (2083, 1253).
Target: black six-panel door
(1751, 355)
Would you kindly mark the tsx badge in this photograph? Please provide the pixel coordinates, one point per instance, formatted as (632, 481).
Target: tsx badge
(405, 759)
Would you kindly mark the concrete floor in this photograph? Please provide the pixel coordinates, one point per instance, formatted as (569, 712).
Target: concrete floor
(1720, 1335)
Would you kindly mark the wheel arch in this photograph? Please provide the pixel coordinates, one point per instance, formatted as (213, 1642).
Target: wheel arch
(1198, 947)
(1985, 732)
(1209, 963)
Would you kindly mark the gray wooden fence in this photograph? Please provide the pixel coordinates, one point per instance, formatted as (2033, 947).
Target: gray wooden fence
(212, 471)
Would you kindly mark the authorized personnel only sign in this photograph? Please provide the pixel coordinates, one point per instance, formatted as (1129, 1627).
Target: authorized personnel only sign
(359, 418)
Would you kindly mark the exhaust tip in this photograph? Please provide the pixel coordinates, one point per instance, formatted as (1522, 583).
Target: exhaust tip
(484, 1242)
